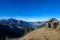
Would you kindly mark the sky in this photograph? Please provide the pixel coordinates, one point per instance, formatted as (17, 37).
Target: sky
(30, 10)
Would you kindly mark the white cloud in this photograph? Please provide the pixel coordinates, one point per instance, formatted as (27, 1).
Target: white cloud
(31, 19)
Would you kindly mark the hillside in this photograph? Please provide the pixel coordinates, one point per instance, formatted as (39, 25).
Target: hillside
(14, 28)
(50, 31)
(43, 34)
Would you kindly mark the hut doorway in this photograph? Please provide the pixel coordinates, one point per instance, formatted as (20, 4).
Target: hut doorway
(49, 25)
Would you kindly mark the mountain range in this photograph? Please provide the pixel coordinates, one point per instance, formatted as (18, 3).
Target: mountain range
(21, 23)
(13, 28)
(17, 28)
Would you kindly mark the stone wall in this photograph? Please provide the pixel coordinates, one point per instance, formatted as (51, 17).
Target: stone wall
(52, 24)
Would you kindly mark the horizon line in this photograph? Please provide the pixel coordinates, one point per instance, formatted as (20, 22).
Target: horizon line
(29, 19)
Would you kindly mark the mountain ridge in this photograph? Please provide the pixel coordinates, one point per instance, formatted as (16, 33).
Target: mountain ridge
(20, 23)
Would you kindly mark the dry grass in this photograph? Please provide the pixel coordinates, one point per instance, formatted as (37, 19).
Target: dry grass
(43, 34)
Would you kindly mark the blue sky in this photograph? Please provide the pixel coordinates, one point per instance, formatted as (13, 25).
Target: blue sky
(30, 10)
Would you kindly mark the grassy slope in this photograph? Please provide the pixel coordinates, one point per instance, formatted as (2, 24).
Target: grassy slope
(43, 34)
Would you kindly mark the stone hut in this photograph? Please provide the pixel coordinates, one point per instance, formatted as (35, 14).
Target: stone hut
(52, 23)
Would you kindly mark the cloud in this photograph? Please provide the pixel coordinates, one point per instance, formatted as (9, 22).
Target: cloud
(31, 19)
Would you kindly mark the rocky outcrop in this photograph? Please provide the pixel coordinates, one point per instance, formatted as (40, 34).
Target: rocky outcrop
(52, 23)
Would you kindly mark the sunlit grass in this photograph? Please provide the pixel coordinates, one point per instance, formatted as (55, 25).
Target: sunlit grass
(43, 34)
